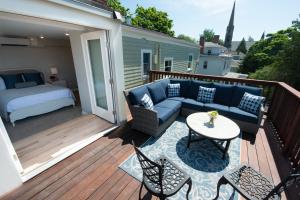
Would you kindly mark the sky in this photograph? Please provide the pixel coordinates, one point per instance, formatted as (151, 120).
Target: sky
(252, 17)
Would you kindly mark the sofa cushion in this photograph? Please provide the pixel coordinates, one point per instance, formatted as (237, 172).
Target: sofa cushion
(238, 114)
(239, 92)
(192, 104)
(10, 80)
(157, 92)
(164, 83)
(206, 95)
(193, 92)
(172, 104)
(181, 99)
(136, 94)
(223, 110)
(147, 102)
(223, 94)
(163, 113)
(251, 103)
(184, 86)
(174, 90)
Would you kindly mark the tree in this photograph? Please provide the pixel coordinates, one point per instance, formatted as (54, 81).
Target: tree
(208, 34)
(186, 38)
(242, 47)
(116, 5)
(152, 19)
(250, 39)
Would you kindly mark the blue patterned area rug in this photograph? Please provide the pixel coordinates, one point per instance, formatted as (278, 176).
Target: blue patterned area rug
(202, 161)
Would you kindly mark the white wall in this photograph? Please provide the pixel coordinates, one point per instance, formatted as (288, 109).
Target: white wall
(8, 172)
(49, 53)
(215, 65)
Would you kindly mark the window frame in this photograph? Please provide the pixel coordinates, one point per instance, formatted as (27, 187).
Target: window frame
(168, 59)
(192, 61)
(142, 62)
(205, 63)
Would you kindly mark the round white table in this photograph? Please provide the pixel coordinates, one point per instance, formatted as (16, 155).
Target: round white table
(223, 129)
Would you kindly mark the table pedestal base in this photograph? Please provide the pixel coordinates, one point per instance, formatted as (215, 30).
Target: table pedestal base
(220, 147)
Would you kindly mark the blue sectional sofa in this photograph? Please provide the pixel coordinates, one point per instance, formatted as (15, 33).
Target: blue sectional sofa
(226, 101)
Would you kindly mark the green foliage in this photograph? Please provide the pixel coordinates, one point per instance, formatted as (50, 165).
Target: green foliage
(242, 47)
(116, 5)
(187, 38)
(276, 57)
(152, 19)
(208, 34)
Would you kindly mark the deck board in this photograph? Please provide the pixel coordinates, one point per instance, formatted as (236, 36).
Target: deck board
(93, 173)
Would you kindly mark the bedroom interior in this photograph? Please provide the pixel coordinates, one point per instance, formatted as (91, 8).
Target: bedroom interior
(39, 97)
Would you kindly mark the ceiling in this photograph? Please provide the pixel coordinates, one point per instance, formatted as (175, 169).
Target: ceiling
(23, 27)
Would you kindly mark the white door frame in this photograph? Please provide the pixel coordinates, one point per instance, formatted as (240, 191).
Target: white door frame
(108, 114)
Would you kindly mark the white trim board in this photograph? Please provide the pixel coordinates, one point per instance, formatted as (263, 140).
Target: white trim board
(79, 146)
(138, 33)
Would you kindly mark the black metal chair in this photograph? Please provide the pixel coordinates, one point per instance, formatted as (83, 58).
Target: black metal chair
(161, 177)
(253, 185)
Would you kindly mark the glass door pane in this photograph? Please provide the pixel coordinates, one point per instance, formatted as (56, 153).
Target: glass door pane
(97, 72)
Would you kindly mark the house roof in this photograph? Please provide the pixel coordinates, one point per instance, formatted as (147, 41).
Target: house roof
(235, 44)
(128, 27)
(211, 44)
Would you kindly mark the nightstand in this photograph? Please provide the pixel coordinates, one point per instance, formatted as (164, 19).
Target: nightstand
(61, 83)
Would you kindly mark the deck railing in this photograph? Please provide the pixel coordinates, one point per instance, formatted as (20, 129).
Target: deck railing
(283, 103)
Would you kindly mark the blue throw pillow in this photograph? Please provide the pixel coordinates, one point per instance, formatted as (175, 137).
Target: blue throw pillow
(10, 80)
(157, 92)
(136, 94)
(193, 92)
(251, 103)
(34, 77)
(239, 92)
(174, 90)
(185, 86)
(206, 95)
(146, 101)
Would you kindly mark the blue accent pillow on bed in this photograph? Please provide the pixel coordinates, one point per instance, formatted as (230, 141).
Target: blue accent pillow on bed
(11, 79)
(34, 77)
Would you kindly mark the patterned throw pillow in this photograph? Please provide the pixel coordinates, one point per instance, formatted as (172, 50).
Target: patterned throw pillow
(147, 102)
(206, 95)
(174, 90)
(251, 103)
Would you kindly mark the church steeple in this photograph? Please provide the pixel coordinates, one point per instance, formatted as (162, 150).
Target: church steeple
(230, 28)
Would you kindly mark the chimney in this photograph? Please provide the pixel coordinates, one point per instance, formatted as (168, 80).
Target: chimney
(216, 39)
(201, 43)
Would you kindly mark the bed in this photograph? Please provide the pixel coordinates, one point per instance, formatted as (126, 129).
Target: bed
(29, 96)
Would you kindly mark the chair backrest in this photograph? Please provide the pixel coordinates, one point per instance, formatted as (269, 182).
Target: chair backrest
(293, 178)
(151, 170)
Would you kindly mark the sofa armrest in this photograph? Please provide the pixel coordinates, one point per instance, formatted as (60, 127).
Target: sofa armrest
(261, 113)
(143, 117)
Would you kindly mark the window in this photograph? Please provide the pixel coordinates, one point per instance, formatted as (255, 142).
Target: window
(209, 51)
(190, 63)
(168, 64)
(205, 65)
(146, 60)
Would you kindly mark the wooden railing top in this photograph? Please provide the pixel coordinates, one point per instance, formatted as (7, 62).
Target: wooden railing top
(220, 78)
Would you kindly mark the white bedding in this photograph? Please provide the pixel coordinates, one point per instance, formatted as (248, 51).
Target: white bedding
(35, 99)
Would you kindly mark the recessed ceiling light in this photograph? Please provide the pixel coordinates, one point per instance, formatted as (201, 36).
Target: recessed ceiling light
(67, 34)
(42, 37)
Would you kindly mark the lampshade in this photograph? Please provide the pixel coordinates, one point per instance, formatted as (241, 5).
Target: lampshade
(53, 70)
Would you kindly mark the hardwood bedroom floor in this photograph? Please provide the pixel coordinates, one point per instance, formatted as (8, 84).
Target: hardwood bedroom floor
(39, 148)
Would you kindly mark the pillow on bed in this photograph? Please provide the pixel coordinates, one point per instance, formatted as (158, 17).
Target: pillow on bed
(25, 84)
(2, 84)
(34, 77)
(11, 79)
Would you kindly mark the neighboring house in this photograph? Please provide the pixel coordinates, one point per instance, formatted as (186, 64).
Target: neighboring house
(93, 54)
(238, 56)
(213, 59)
(145, 50)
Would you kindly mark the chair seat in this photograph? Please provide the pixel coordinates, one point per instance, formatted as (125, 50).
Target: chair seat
(173, 178)
(250, 183)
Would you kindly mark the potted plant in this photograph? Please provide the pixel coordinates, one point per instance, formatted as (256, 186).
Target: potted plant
(212, 116)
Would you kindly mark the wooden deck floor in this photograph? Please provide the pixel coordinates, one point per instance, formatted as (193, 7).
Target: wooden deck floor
(93, 173)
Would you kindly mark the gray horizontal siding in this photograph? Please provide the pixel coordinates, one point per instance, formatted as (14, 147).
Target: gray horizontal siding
(132, 58)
